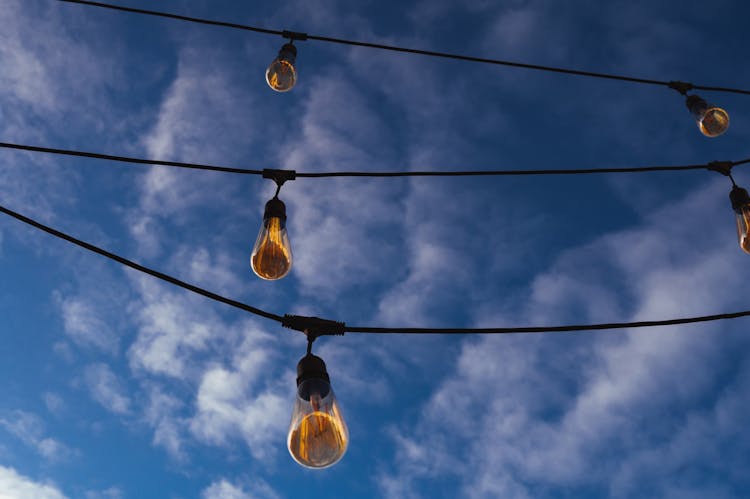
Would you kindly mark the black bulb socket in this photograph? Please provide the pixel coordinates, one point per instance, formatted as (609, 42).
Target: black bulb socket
(288, 53)
(312, 378)
(696, 104)
(275, 208)
(739, 198)
(311, 367)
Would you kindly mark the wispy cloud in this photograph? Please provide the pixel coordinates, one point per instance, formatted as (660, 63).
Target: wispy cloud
(223, 489)
(30, 430)
(106, 388)
(555, 420)
(84, 324)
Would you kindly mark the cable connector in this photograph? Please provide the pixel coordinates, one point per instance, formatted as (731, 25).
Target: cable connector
(294, 35)
(313, 327)
(723, 167)
(681, 86)
(279, 176)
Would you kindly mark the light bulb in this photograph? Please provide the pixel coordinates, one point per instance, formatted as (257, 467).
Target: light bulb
(318, 436)
(281, 74)
(712, 120)
(272, 254)
(741, 205)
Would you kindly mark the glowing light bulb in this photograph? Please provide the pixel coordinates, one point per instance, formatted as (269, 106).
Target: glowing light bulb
(281, 74)
(712, 120)
(318, 436)
(741, 205)
(272, 254)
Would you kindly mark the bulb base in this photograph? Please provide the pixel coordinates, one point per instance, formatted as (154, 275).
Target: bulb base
(739, 198)
(275, 208)
(288, 53)
(311, 367)
(696, 104)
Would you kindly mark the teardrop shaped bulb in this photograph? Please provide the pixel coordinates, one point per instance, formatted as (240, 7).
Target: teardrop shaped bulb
(271, 258)
(318, 436)
(281, 74)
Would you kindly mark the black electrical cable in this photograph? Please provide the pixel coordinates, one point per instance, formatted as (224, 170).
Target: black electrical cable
(225, 169)
(394, 48)
(548, 329)
(126, 159)
(177, 17)
(299, 322)
(141, 268)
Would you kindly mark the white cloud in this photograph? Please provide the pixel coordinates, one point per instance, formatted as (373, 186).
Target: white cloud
(624, 411)
(30, 429)
(242, 400)
(110, 493)
(171, 332)
(106, 388)
(16, 486)
(223, 489)
(54, 402)
(162, 414)
(84, 324)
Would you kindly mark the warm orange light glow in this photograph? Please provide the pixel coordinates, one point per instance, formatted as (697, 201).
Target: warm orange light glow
(272, 255)
(281, 75)
(318, 441)
(743, 226)
(714, 122)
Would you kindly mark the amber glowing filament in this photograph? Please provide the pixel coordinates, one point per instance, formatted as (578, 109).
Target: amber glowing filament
(318, 436)
(271, 258)
(281, 74)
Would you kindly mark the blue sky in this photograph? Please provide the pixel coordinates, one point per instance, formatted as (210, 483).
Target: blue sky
(118, 386)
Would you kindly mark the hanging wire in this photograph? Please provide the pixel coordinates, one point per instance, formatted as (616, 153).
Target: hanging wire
(291, 174)
(140, 268)
(314, 327)
(393, 48)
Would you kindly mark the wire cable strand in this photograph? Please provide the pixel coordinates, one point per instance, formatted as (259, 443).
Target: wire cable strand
(395, 48)
(126, 159)
(133, 265)
(549, 329)
(361, 329)
(381, 174)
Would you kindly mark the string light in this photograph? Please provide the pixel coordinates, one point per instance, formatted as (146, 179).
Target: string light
(271, 258)
(318, 436)
(299, 323)
(281, 74)
(712, 120)
(394, 48)
(292, 174)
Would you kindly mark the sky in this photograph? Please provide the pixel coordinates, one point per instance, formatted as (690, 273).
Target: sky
(120, 386)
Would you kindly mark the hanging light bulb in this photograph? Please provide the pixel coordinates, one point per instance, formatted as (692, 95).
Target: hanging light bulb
(281, 74)
(741, 205)
(272, 254)
(318, 436)
(712, 120)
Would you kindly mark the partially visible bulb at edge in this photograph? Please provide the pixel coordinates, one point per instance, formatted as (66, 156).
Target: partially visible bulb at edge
(741, 205)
